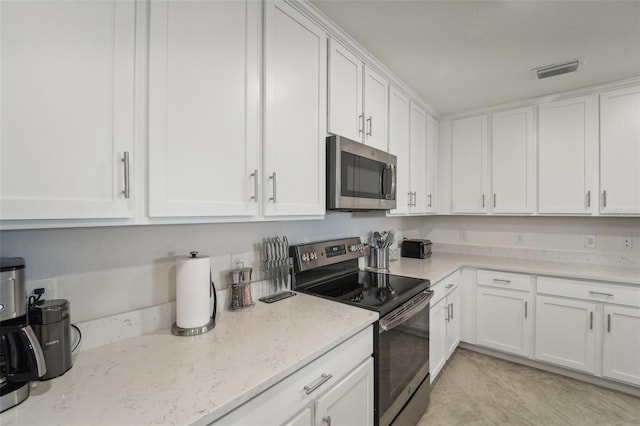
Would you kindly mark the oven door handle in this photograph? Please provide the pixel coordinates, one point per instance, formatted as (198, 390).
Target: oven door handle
(402, 314)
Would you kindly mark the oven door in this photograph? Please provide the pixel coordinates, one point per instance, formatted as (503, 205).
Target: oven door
(403, 358)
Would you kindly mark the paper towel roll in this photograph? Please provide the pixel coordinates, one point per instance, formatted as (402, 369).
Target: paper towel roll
(193, 289)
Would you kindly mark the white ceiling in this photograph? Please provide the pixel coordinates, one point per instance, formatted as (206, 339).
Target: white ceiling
(465, 55)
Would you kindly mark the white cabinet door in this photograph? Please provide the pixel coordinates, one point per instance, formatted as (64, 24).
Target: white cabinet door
(453, 321)
(513, 165)
(565, 332)
(469, 165)
(302, 418)
(504, 320)
(350, 402)
(66, 109)
(376, 89)
(204, 102)
(418, 161)
(438, 316)
(399, 146)
(295, 113)
(620, 151)
(345, 93)
(621, 354)
(432, 164)
(566, 147)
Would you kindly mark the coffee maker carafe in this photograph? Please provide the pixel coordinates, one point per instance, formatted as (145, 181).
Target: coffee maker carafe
(21, 357)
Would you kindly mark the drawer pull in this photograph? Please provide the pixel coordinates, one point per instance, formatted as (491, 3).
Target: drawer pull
(608, 323)
(525, 309)
(597, 293)
(449, 286)
(322, 380)
(590, 320)
(451, 304)
(496, 280)
(327, 420)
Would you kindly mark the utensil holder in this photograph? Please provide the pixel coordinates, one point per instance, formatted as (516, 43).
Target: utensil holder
(379, 258)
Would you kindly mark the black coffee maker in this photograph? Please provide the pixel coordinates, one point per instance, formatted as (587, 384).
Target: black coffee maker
(21, 357)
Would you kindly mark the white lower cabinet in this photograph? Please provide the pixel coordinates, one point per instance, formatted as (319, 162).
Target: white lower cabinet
(565, 332)
(503, 316)
(621, 344)
(444, 322)
(576, 321)
(335, 389)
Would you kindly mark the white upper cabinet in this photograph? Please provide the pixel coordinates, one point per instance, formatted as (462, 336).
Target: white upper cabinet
(513, 161)
(345, 93)
(418, 160)
(469, 165)
(567, 131)
(357, 99)
(66, 109)
(432, 164)
(620, 151)
(204, 103)
(295, 113)
(399, 146)
(375, 109)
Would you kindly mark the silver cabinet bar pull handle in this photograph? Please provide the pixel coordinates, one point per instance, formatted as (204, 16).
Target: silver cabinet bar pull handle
(322, 380)
(601, 294)
(127, 186)
(410, 194)
(590, 320)
(254, 175)
(429, 200)
(608, 323)
(483, 204)
(525, 309)
(588, 198)
(361, 122)
(604, 198)
(451, 304)
(273, 198)
(494, 200)
(497, 280)
(327, 420)
(370, 121)
(449, 286)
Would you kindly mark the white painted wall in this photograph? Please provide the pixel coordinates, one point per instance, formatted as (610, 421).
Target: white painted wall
(104, 271)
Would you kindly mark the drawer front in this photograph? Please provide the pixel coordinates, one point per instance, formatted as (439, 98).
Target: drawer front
(590, 290)
(444, 286)
(281, 401)
(509, 280)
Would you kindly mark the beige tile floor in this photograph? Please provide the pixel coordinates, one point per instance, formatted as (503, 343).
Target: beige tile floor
(476, 389)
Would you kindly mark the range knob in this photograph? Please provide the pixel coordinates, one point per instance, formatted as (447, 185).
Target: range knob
(355, 247)
(313, 255)
(305, 257)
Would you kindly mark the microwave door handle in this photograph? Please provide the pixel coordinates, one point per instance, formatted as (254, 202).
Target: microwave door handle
(393, 181)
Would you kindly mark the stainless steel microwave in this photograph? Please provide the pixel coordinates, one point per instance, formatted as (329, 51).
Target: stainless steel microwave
(359, 177)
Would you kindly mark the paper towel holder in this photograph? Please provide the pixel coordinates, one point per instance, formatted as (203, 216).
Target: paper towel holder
(195, 331)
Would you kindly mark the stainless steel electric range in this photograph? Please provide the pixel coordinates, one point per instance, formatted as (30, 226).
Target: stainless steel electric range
(330, 269)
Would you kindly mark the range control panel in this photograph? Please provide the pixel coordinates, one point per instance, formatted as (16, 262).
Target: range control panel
(323, 253)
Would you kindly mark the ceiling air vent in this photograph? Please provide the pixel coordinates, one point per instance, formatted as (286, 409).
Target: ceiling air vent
(557, 69)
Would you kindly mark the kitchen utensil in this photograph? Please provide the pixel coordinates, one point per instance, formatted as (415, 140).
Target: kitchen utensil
(277, 262)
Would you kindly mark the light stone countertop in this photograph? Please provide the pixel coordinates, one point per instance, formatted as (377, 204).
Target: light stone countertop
(442, 264)
(159, 378)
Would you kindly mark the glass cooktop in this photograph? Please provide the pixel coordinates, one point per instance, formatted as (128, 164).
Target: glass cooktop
(370, 290)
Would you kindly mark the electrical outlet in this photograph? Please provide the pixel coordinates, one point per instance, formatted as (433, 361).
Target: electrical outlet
(463, 235)
(519, 238)
(50, 286)
(627, 243)
(590, 241)
(393, 254)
